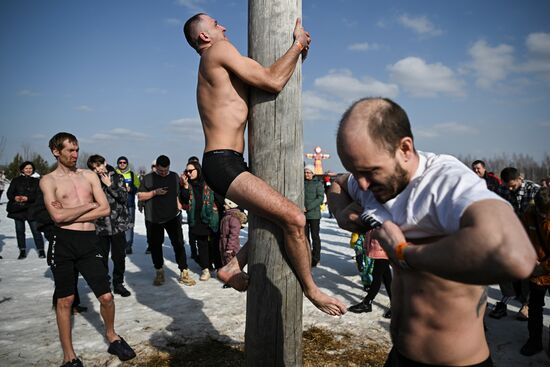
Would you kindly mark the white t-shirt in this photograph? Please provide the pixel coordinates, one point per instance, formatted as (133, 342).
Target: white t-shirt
(434, 200)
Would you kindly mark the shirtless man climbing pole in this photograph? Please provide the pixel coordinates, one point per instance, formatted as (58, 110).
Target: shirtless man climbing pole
(74, 199)
(222, 96)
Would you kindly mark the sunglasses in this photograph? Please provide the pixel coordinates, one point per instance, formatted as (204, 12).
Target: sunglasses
(189, 170)
(122, 162)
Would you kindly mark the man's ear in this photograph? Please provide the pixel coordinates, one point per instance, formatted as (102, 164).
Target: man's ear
(204, 37)
(406, 147)
(55, 153)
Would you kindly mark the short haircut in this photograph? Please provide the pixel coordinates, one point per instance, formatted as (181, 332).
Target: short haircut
(189, 28)
(94, 160)
(56, 142)
(479, 161)
(25, 164)
(193, 158)
(386, 126)
(508, 174)
(163, 161)
(542, 201)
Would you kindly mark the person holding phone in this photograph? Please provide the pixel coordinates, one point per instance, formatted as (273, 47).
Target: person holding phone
(159, 191)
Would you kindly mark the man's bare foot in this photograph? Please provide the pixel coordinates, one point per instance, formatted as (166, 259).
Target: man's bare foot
(327, 304)
(233, 275)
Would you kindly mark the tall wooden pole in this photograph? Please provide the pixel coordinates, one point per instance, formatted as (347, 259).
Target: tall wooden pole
(273, 334)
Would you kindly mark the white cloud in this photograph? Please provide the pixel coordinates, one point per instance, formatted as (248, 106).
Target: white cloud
(190, 128)
(445, 129)
(83, 108)
(38, 136)
(491, 64)
(545, 124)
(425, 80)
(539, 43)
(118, 134)
(420, 25)
(318, 107)
(343, 84)
(364, 46)
(27, 93)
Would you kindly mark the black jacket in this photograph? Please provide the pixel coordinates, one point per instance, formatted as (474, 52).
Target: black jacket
(26, 186)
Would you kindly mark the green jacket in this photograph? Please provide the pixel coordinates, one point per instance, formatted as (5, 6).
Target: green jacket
(314, 194)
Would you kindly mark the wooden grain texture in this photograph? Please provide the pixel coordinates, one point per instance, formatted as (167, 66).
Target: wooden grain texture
(273, 334)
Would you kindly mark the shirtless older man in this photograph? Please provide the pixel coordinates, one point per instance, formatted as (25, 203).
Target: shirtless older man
(74, 199)
(446, 234)
(222, 96)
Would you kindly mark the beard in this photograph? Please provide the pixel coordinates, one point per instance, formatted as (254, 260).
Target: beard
(392, 186)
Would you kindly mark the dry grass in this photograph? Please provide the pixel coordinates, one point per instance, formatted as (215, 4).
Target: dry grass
(322, 348)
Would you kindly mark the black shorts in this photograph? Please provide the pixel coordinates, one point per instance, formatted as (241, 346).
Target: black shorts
(77, 251)
(396, 359)
(221, 167)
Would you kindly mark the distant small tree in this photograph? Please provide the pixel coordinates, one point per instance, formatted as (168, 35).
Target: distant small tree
(41, 166)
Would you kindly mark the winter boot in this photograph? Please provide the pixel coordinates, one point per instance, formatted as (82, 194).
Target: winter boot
(159, 277)
(186, 279)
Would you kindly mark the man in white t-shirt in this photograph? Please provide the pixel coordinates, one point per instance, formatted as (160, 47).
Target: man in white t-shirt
(445, 233)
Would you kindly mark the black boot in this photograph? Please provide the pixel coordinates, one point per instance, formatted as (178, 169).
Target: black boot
(531, 347)
(499, 311)
(22, 254)
(120, 289)
(364, 306)
(41, 254)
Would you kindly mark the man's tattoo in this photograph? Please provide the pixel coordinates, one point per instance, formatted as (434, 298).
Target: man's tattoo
(482, 301)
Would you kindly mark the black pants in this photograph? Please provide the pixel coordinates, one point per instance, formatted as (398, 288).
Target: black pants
(193, 245)
(517, 288)
(396, 359)
(380, 273)
(175, 233)
(209, 252)
(312, 231)
(116, 244)
(536, 304)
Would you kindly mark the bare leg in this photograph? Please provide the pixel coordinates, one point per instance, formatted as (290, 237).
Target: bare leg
(232, 273)
(63, 316)
(253, 194)
(107, 310)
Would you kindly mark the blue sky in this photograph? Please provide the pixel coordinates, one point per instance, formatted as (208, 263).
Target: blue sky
(474, 76)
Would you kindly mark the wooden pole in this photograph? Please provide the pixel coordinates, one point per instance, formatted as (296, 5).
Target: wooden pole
(273, 335)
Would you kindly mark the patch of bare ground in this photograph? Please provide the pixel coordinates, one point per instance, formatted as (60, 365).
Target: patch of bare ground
(322, 348)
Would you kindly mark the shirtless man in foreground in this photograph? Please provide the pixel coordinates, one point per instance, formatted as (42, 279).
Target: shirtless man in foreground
(222, 95)
(445, 233)
(74, 199)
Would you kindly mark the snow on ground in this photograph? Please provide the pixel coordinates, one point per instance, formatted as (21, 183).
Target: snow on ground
(156, 316)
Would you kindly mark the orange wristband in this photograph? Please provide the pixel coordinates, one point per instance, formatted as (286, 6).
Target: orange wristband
(300, 46)
(400, 251)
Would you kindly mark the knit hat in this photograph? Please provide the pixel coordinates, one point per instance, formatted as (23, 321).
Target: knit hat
(310, 168)
(122, 158)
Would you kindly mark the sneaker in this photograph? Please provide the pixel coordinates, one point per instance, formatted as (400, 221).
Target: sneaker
(205, 275)
(531, 348)
(186, 279)
(129, 250)
(523, 313)
(41, 254)
(159, 277)
(226, 286)
(121, 349)
(499, 311)
(361, 307)
(22, 254)
(120, 289)
(74, 363)
(387, 314)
